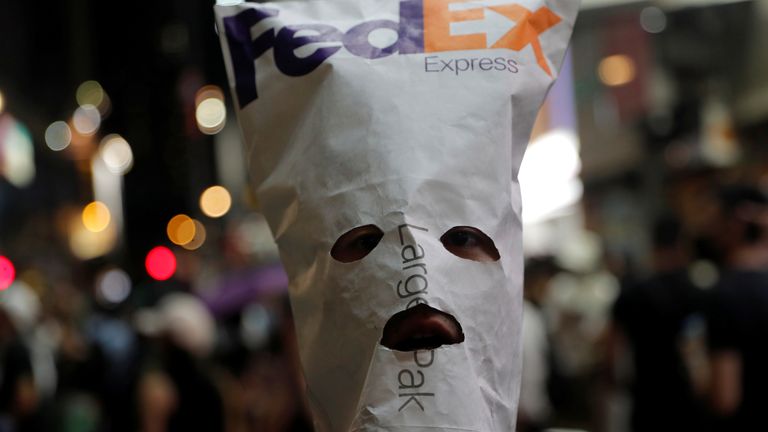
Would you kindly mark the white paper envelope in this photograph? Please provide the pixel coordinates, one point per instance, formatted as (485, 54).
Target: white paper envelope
(401, 124)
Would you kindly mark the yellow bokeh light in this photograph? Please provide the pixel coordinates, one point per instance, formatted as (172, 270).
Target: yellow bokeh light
(215, 201)
(181, 229)
(90, 93)
(2, 102)
(87, 245)
(96, 217)
(199, 238)
(616, 70)
(210, 111)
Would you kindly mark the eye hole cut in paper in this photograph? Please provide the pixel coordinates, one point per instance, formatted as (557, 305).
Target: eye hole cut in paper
(356, 243)
(470, 243)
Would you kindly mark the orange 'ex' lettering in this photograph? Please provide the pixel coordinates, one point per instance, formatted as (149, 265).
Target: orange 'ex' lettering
(528, 27)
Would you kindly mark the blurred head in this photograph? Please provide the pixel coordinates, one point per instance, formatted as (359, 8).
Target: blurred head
(671, 250)
(743, 220)
(538, 272)
(20, 307)
(183, 320)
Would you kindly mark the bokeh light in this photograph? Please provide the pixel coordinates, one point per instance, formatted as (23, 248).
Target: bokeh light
(653, 19)
(90, 93)
(616, 70)
(703, 274)
(2, 102)
(199, 239)
(215, 201)
(86, 119)
(181, 229)
(7, 273)
(210, 115)
(83, 146)
(210, 111)
(86, 244)
(96, 217)
(113, 287)
(160, 263)
(549, 175)
(58, 135)
(17, 163)
(93, 94)
(116, 154)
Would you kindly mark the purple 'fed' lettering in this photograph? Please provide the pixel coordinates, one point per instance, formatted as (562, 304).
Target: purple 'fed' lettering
(357, 40)
(244, 50)
(287, 43)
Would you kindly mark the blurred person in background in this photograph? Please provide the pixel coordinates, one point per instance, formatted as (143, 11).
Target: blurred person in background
(263, 389)
(19, 398)
(577, 307)
(278, 382)
(535, 407)
(80, 364)
(177, 390)
(649, 325)
(115, 354)
(737, 317)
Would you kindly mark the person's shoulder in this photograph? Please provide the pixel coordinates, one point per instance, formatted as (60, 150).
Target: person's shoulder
(737, 291)
(736, 283)
(646, 288)
(630, 298)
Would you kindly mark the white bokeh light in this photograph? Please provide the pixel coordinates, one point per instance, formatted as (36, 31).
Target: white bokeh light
(17, 163)
(113, 286)
(653, 19)
(86, 119)
(549, 175)
(58, 136)
(211, 115)
(117, 154)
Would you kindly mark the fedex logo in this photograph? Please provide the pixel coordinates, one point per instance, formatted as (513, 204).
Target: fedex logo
(425, 26)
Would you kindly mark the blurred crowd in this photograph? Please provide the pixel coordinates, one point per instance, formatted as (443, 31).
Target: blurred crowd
(166, 358)
(678, 347)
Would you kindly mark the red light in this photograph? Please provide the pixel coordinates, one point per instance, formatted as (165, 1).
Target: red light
(7, 273)
(160, 263)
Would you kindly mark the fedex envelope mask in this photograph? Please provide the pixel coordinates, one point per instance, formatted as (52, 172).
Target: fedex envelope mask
(354, 381)
(422, 133)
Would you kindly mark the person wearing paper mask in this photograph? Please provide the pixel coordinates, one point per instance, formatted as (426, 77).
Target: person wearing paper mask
(385, 139)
